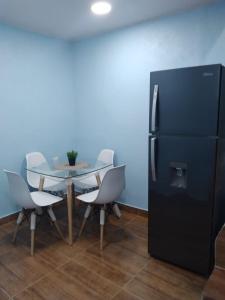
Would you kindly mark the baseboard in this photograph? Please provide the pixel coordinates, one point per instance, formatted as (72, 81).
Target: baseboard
(8, 218)
(14, 216)
(131, 209)
(134, 210)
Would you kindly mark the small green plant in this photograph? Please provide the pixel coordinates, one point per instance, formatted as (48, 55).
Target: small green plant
(72, 156)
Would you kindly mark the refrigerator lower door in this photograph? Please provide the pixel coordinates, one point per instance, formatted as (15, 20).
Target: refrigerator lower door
(181, 201)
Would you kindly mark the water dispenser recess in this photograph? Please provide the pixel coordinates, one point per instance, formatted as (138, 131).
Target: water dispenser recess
(178, 175)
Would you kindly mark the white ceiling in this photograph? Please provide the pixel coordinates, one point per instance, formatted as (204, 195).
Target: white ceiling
(72, 19)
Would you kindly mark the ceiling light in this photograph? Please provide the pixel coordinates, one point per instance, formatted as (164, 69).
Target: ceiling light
(101, 8)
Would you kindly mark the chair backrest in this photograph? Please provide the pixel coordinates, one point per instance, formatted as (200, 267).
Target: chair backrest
(112, 185)
(19, 190)
(107, 156)
(34, 159)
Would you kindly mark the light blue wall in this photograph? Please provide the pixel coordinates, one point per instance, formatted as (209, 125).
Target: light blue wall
(36, 101)
(93, 94)
(111, 76)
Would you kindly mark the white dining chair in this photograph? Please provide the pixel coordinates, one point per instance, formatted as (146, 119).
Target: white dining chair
(109, 191)
(89, 182)
(35, 159)
(29, 202)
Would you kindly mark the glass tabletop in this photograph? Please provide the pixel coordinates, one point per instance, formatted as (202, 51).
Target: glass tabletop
(65, 171)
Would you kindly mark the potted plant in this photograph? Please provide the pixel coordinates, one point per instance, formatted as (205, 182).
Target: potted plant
(72, 156)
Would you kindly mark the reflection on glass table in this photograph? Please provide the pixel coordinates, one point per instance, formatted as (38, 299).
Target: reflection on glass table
(68, 173)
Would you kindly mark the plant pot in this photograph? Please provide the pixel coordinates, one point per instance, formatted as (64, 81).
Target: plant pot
(72, 161)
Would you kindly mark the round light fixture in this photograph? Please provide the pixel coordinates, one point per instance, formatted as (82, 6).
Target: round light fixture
(101, 8)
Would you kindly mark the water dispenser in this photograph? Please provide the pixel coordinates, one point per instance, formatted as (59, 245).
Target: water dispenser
(178, 174)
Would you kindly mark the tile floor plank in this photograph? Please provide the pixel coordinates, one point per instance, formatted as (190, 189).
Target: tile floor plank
(122, 271)
(215, 287)
(161, 280)
(4, 295)
(138, 227)
(120, 257)
(103, 287)
(123, 295)
(175, 275)
(128, 241)
(147, 291)
(103, 268)
(58, 286)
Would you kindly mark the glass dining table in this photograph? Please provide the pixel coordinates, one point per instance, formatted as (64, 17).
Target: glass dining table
(67, 174)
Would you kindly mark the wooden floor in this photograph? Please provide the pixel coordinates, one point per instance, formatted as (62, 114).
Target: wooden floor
(61, 272)
(215, 286)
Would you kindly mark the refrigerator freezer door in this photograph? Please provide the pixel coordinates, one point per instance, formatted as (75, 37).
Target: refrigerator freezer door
(187, 101)
(181, 201)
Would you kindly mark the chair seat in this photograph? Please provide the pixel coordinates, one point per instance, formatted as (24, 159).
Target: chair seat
(44, 199)
(90, 181)
(89, 197)
(54, 184)
(86, 184)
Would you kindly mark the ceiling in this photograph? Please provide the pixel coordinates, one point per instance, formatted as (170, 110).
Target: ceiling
(72, 19)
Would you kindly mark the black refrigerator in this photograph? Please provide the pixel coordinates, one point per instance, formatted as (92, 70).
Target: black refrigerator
(186, 165)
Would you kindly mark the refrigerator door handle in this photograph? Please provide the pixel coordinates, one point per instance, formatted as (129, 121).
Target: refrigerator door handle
(154, 104)
(153, 167)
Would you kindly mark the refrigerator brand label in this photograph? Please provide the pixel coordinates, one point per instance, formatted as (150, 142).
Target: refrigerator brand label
(207, 74)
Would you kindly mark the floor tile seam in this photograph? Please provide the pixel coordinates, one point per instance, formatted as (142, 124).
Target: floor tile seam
(108, 280)
(134, 276)
(108, 264)
(166, 281)
(80, 283)
(128, 292)
(33, 283)
(5, 292)
(158, 276)
(129, 250)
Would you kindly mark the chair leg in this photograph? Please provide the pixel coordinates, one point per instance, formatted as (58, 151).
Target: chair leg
(116, 210)
(32, 228)
(102, 223)
(53, 219)
(77, 202)
(18, 223)
(86, 215)
(39, 211)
